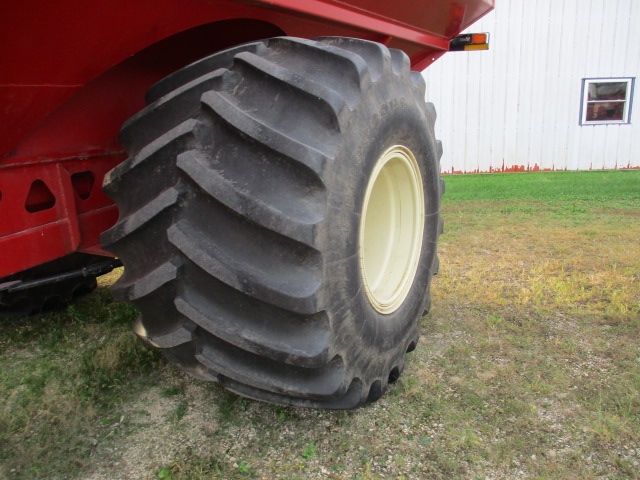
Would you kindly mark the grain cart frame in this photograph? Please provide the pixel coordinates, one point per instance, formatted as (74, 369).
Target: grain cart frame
(277, 200)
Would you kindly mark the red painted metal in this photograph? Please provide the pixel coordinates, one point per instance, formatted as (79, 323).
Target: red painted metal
(72, 71)
(34, 231)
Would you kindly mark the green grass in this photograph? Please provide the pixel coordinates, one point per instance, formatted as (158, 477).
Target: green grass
(528, 366)
(614, 185)
(63, 377)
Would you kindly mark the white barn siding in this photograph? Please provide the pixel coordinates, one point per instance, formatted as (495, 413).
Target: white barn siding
(517, 106)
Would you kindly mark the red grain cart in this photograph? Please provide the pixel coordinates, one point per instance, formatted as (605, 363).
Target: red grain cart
(274, 194)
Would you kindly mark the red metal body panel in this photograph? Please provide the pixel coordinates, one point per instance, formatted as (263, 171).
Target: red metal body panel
(72, 71)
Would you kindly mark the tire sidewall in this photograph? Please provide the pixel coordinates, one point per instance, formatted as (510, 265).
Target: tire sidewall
(390, 113)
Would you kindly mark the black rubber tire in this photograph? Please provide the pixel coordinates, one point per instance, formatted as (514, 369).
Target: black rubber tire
(239, 215)
(49, 297)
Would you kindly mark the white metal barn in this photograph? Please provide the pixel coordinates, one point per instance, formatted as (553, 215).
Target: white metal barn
(558, 89)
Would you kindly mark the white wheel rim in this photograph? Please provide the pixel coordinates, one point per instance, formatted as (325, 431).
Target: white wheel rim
(391, 229)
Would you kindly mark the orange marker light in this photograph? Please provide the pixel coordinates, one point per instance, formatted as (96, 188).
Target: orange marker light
(479, 38)
(469, 41)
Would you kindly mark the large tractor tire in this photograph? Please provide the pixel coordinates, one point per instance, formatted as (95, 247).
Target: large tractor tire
(279, 215)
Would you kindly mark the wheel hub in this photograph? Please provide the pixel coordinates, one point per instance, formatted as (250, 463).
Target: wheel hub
(391, 229)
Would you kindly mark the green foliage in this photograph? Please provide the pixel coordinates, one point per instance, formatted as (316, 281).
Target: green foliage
(569, 189)
(309, 451)
(165, 473)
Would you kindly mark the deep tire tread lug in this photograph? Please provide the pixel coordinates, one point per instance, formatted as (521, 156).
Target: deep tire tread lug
(311, 157)
(181, 135)
(304, 344)
(173, 109)
(180, 335)
(244, 367)
(133, 289)
(197, 70)
(297, 294)
(141, 217)
(353, 69)
(352, 398)
(400, 62)
(326, 98)
(418, 81)
(227, 193)
(376, 56)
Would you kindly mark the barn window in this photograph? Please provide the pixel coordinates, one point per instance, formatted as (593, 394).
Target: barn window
(606, 100)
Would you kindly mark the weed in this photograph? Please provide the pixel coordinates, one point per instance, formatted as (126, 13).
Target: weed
(179, 412)
(190, 465)
(230, 405)
(172, 391)
(165, 473)
(309, 451)
(245, 469)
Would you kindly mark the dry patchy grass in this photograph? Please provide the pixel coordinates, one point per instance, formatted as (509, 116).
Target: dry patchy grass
(550, 310)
